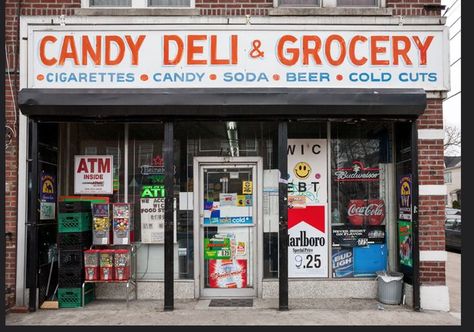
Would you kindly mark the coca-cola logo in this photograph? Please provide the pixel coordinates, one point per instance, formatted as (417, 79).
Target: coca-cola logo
(357, 173)
(369, 210)
(363, 212)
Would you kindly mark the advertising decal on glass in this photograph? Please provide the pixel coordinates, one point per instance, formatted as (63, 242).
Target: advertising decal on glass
(366, 212)
(342, 263)
(93, 174)
(307, 205)
(405, 242)
(405, 198)
(357, 173)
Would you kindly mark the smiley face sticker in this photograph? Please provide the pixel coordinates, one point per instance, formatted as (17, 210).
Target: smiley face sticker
(302, 170)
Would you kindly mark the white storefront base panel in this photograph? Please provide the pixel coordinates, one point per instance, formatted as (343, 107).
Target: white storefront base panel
(147, 290)
(434, 298)
(324, 289)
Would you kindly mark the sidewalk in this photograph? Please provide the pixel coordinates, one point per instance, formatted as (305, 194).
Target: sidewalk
(263, 312)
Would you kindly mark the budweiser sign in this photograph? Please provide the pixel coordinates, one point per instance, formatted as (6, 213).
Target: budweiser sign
(366, 212)
(357, 173)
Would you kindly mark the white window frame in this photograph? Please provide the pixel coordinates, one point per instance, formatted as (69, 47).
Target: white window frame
(332, 4)
(134, 4)
(448, 177)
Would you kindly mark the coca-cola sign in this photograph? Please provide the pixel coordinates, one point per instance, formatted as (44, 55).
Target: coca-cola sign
(357, 173)
(366, 212)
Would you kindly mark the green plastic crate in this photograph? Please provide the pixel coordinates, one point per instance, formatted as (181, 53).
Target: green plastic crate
(74, 222)
(72, 297)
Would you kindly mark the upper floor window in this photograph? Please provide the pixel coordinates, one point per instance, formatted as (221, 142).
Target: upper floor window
(136, 3)
(357, 3)
(330, 3)
(300, 3)
(448, 177)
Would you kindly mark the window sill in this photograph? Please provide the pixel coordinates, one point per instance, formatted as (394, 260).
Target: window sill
(137, 11)
(288, 11)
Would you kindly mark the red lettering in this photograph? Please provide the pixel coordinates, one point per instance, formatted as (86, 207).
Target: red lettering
(423, 47)
(166, 50)
(293, 51)
(399, 51)
(44, 59)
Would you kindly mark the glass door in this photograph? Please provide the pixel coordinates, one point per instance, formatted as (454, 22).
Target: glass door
(228, 230)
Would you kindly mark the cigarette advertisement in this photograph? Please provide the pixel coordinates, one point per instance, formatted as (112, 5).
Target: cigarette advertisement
(307, 208)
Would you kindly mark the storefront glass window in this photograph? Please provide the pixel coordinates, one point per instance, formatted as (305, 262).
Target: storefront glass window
(361, 199)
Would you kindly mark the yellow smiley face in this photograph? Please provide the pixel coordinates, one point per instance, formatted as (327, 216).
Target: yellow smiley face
(302, 170)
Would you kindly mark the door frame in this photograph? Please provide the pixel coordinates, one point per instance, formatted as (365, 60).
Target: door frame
(198, 163)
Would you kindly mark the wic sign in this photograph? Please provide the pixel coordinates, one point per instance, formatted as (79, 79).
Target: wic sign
(244, 56)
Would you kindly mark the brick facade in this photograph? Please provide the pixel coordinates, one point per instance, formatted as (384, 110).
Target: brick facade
(430, 151)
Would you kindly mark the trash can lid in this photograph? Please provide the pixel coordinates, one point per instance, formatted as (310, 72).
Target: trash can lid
(389, 276)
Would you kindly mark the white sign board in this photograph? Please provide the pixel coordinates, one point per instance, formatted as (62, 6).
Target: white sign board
(152, 212)
(186, 56)
(93, 174)
(307, 208)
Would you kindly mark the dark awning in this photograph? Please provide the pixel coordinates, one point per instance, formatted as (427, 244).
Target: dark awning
(218, 103)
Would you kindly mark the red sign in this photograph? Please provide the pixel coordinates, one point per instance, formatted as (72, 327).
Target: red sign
(371, 212)
(228, 273)
(312, 215)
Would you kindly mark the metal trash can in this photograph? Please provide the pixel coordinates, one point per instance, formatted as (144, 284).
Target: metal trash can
(389, 287)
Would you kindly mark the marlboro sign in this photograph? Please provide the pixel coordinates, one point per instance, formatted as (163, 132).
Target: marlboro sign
(93, 175)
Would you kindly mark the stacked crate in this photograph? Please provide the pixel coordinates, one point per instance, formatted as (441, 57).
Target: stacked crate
(74, 236)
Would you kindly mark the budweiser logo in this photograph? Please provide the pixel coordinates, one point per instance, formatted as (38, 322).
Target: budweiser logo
(346, 175)
(369, 210)
(357, 173)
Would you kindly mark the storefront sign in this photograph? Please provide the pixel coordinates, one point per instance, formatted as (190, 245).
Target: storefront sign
(342, 263)
(247, 187)
(93, 175)
(228, 214)
(48, 188)
(345, 236)
(357, 173)
(366, 212)
(405, 243)
(352, 236)
(241, 56)
(307, 202)
(404, 199)
(47, 210)
(217, 248)
(153, 191)
(152, 213)
(230, 273)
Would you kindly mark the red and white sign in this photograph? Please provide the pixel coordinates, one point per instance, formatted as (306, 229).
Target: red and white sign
(227, 273)
(307, 208)
(93, 175)
(252, 56)
(366, 212)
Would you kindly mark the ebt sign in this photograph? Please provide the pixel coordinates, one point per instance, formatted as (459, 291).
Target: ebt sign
(273, 56)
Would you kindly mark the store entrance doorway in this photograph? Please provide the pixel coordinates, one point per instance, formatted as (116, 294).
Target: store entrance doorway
(227, 226)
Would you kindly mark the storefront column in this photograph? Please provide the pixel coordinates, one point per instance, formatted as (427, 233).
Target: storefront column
(416, 239)
(31, 227)
(169, 192)
(283, 213)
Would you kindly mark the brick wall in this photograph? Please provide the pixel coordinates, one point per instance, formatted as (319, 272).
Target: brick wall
(431, 207)
(234, 7)
(12, 10)
(415, 7)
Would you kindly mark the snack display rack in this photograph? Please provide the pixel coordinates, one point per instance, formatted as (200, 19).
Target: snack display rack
(130, 282)
(112, 258)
